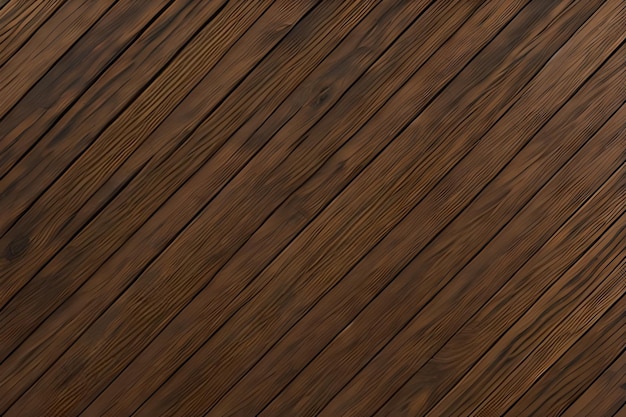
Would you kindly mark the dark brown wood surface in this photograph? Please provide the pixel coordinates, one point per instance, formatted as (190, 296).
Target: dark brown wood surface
(312, 207)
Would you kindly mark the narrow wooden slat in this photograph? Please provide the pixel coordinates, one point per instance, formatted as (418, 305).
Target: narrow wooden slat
(607, 394)
(542, 157)
(612, 287)
(47, 45)
(569, 377)
(279, 289)
(76, 70)
(19, 20)
(95, 307)
(45, 227)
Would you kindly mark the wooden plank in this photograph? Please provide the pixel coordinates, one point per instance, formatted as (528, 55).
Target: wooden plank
(462, 52)
(553, 323)
(45, 227)
(25, 304)
(569, 377)
(279, 319)
(84, 66)
(607, 394)
(19, 20)
(621, 412)
(371, 276)
(47, 45)
(102, 290)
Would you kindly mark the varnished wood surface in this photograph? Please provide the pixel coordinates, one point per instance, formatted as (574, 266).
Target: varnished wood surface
(312, 207)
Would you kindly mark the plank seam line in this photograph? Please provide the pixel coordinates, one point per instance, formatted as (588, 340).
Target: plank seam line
(7, 59)
(429, 242)
(90, 84)
(60, 56)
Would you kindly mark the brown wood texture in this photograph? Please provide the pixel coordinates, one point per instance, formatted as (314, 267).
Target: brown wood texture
(575, 371)
(606, 395)
(312, 207)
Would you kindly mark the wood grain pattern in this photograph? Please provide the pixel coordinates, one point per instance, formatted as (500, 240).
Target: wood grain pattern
(484, 215)
(426, 386)
(312, 207)
(606, 395)
(45, 227)
(45, 46)
(575, 371)
(71, 75)
(42, 289)
(275, 288)
(570, 302)
(19, 20)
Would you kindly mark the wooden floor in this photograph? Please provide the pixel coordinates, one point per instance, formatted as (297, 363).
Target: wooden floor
(312, 207)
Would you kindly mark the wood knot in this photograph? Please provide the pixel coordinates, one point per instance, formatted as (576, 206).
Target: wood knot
(16, 248)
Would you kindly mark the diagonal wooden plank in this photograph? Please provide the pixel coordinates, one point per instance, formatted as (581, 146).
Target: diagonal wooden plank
(45, 47)
(92, 302)
(278, 288)
(612, 287)
(567, 379)
(116, 57)
(607, 394)
(531, 168)
(19, 20)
